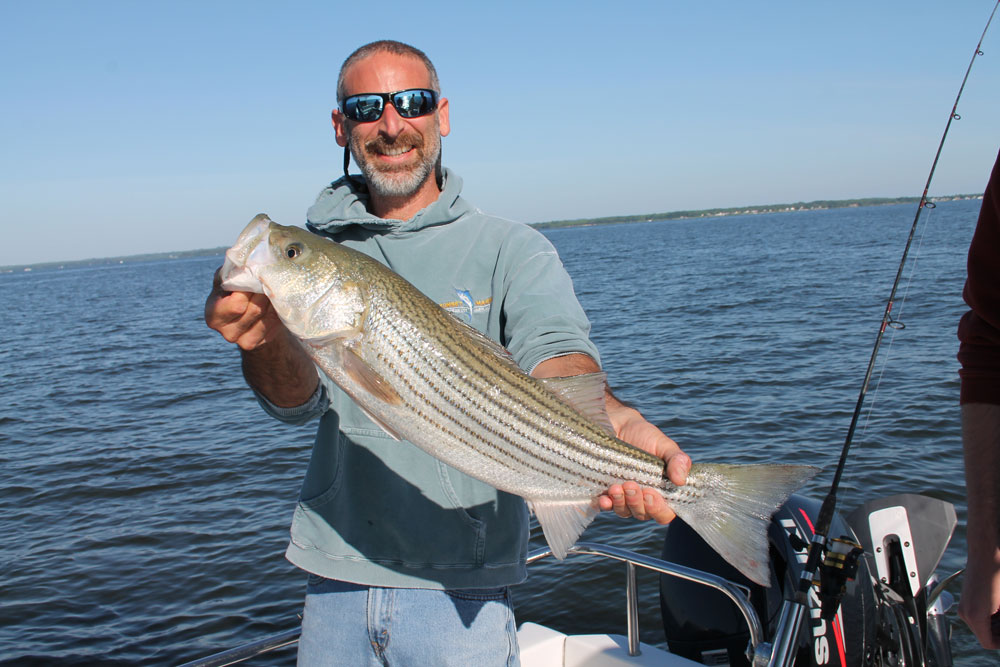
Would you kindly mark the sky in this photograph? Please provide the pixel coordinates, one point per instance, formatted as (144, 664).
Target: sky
(137, 127)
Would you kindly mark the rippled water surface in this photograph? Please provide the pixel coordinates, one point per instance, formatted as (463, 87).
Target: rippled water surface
(145, 499)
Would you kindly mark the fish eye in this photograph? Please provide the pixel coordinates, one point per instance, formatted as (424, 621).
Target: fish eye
(293, 250)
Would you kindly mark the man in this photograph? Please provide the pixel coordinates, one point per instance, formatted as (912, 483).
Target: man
(410, 560)
(979, 354)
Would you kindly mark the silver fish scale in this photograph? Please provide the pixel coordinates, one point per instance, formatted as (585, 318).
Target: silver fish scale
(474, 409)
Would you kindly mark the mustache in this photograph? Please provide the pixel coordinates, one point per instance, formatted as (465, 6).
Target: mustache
(381, 144)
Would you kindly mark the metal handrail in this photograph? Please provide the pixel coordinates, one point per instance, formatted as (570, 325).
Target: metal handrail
(739, 595)
(247, 651)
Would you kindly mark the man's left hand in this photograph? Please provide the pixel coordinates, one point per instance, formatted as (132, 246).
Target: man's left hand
(629, 499)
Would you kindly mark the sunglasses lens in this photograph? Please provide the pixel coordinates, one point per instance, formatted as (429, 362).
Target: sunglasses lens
(363, 108)
(368, 107)
(413, 103)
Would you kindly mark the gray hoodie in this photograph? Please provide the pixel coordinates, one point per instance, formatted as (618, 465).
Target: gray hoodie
(379, 512)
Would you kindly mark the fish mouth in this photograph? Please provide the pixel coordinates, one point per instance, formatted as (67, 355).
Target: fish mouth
(238, 273)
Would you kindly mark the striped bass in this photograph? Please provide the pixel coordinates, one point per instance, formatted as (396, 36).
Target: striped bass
(427, 378)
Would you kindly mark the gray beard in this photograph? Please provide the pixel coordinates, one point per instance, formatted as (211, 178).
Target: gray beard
(396, 183)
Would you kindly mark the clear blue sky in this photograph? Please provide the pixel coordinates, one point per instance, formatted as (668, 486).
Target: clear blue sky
(145, 126)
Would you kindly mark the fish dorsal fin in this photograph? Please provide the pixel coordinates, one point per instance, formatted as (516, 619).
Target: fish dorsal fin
(585, 393)
(563, 521)
(485, 342)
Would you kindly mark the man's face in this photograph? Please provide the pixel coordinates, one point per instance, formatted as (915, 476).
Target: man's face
(397, 155)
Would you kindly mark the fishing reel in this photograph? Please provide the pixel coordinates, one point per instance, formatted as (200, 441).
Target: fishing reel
(841, 558)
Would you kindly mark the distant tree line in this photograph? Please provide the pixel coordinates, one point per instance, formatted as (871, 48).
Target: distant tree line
(743, 210)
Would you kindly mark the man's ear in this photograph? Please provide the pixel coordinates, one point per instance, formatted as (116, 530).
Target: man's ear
(442, 112)
(339, 126)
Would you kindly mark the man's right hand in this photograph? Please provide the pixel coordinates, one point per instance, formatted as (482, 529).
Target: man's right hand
(273, 362)
(244, 318)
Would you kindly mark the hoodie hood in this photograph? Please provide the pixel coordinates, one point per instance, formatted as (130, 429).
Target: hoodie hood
(339, 206)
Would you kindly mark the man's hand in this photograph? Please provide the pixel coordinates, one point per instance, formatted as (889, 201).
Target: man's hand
(273, 361)
(244, 318)
(628, 499)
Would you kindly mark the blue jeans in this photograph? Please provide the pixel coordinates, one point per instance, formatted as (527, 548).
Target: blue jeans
(347, 624)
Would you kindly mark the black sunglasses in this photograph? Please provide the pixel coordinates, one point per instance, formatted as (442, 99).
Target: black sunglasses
(368, 107)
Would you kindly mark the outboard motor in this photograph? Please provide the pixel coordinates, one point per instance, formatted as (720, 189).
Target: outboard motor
(871, 626)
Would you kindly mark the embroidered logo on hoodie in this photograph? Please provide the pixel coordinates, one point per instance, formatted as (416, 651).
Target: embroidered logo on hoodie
(466, 306)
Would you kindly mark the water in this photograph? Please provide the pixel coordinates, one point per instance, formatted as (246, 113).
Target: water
(145, 499)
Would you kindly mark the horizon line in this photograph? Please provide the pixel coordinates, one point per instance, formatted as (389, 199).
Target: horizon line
(818, 204)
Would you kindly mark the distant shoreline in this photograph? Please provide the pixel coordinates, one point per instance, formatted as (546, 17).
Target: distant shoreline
(554, 224)
(747, 210)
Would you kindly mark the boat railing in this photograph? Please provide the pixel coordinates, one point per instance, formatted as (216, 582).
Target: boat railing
(248, 650)
(739, 595)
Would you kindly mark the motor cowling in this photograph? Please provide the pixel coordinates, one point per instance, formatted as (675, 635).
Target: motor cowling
(703, 625)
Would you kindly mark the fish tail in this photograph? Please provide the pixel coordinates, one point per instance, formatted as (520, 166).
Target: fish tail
(734, 512)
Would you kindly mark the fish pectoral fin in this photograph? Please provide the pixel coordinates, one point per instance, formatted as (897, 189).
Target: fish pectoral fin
(385, 427)
(342, 337)
(369, 381)
(563, 521)
(585, 393)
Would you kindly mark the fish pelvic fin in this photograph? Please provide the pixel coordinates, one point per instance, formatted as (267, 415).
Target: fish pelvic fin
(734, 514)
(563, 521)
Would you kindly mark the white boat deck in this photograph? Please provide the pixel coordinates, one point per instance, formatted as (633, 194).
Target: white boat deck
(544, 647)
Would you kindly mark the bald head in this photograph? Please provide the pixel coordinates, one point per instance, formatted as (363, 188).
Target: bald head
(386, 46)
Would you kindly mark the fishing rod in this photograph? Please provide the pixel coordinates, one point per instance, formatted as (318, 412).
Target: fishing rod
(840, 562)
